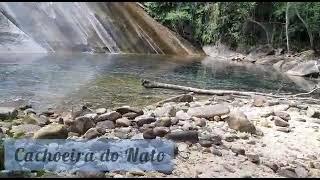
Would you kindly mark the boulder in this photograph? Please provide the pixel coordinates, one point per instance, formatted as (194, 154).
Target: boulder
(123, 122)
(8, 113)
(92, 133)
(106, 124)
(304, 69)
(208, 111)
(80, 124)
(52, 131)
(149, 134)
(109, 116)
(238, 121)
(160, 131)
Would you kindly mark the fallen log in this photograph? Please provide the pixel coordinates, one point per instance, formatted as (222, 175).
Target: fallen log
(153, 84)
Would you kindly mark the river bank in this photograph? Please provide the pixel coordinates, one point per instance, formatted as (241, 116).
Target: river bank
(215, 136)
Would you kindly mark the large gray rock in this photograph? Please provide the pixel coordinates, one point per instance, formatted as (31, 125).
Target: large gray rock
(238, 120)
(52, 131)
(123, 122)
(80, 124)
(304, 69)
(8, 113)
(110, 116)
(209, 111)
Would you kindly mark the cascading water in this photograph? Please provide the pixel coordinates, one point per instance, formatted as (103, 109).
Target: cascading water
(111, 27)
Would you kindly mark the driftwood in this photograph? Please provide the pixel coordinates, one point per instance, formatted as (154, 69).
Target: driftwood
(152, 84)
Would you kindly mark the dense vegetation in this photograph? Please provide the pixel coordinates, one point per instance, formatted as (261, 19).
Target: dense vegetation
(242, 24)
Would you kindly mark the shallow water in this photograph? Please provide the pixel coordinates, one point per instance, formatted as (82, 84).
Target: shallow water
(61, 81)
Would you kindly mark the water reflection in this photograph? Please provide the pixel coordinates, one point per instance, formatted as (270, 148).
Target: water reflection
(65, 80)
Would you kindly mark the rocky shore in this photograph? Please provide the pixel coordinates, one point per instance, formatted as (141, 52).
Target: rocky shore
(215, 136)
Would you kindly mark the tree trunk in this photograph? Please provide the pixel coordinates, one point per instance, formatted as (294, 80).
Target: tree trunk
(307, 27)
(287, 26)
(152, 84)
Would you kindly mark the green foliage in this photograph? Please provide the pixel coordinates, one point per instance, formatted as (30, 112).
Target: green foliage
(208, 22)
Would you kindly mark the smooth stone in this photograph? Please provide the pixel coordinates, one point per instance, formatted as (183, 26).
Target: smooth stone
(283, 115)
(208, 111)
(164, 121)
(191, 136)
(80, 124)
(72, 134)
(216, 118)
(92, 133)
(126, 109)
(238, 121)
(283, 129)
(8, 113)
(205, 143)
(41, 120)
(52, 131)
(280, 122)
(101, 111)
(148, 134)
(201, 122)
(123, 122)
(181, 115)
(165, 111)
(304, 69)
(259, 101)
(253, 158)
(130, 115)
(216, 152)
(109, 116)
(300, 120)
(144, 119)
(238, 150)
(160, 131)
(106, 124)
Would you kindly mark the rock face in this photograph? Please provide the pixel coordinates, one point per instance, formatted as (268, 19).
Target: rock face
(52, 131)
(208, 111)
(8, 113)
(86, 27)
(238, 121)
(304, 69)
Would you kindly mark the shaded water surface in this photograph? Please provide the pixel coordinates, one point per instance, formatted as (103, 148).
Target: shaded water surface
(66, 80)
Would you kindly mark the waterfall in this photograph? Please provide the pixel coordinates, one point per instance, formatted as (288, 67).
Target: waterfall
(107, 27)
